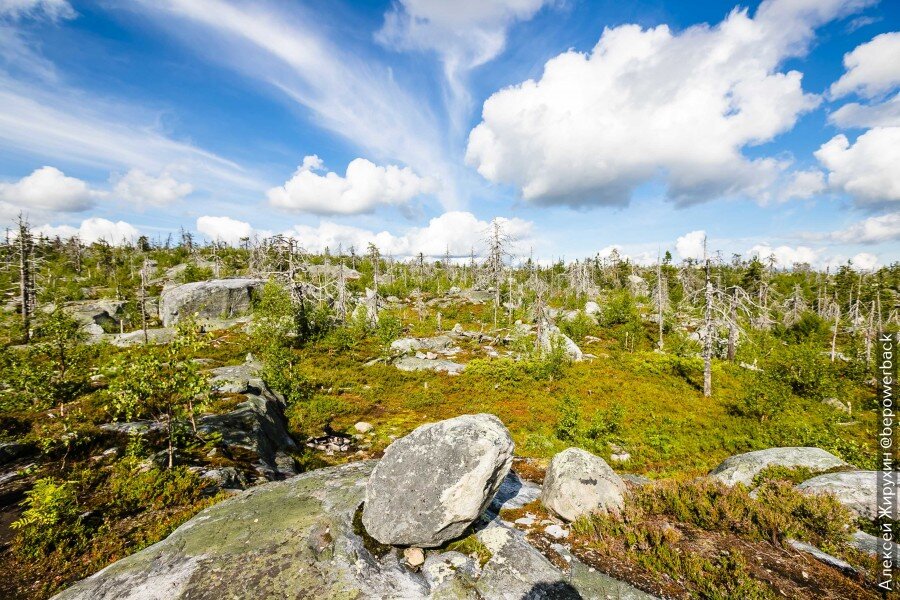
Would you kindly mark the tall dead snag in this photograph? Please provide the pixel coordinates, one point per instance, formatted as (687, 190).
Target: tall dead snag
(496, 253)
(708, 325)
(144, 267)
(26, 276)
(661, 300)
(375, 257)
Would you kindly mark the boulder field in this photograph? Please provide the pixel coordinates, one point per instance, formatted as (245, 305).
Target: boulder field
(381, 529)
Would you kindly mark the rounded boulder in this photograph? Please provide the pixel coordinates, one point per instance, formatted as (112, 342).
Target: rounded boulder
(435, 482)
(578, 482)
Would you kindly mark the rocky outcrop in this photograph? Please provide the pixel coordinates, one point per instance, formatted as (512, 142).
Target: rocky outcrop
(416, 363)
(256, 430)
(435, 482)
(301, 538)
(857, 490)
(577, 483)
(95, 316)
(438, 343)
(550, 335)
(216, 299)
(742, 468)
(162, 335)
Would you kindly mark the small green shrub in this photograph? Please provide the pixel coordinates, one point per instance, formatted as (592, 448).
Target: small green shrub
(134, 487)
(568, 420)
(578, 327)
(763, 398)
(50, 521)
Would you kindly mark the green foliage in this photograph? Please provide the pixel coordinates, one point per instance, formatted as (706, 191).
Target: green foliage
(765, 397)
(388, 329)
(568, 420)
(315, 415)
(805, 369)
(578, 327)
(778, 512)
(471, 546)
(281, 372)
(162, 382)
(133, 487)
(605, 426)
(810, 328)
(50, 521)
(192, 273)
(619, 309)
(53, 370)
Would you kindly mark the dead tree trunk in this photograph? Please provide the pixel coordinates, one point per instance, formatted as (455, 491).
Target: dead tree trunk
(708, 325)
(26, 277)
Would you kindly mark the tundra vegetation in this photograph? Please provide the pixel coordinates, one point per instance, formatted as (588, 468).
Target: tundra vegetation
(105, 450)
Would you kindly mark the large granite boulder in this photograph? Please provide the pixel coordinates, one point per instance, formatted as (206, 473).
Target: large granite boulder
(300, 538)
(216, 299)
(857, 490)
(435, 482)
(551, 335)
(743, 468)
(578, 482)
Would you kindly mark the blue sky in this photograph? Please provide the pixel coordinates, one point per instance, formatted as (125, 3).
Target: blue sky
(770, 128)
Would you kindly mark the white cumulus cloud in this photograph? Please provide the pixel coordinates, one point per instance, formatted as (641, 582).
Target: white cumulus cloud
(457, 232)
(93, 230)
(804, 184)
(228, 230)
(364, 187)
(690, 245)
(786, 256)
(651, 103)
(873, 230)
(854, 114)
(140, 188)
(47, 189)
(872, 68)
(866, 169)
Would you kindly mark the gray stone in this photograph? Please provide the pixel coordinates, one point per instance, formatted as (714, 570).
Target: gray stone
(578, 482)
(216, 299)
(857, 490)
(256, 430)
(413, 363)
(822, 557)
(226, 478)
(836, 404)
(430, 344)
(514, 492)
(363, 427)
(742, 468)
(96, 316)
(297, 539)
(550, 335)
(10, 451)
(435, 482)
(592, 308)
(162, 335)
(238, 379)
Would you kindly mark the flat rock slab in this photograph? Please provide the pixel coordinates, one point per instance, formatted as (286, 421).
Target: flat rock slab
(857, 490)
(297, 539)
(743, 468)
(413, 363)
(432, 484)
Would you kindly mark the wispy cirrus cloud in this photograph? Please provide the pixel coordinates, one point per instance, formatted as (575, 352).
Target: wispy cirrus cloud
(359, 99)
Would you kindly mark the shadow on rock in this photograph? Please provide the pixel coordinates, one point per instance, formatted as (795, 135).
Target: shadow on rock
(559, 590)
